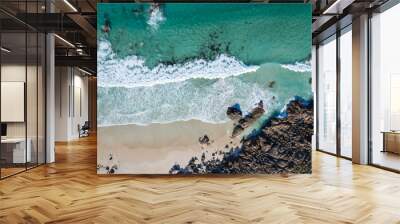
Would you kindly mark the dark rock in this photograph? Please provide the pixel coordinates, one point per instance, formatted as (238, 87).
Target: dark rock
(205, 140)
(248, 120)
(260, 104)
(234, 113)
(271, 84)
(283, 145)
(175, 169)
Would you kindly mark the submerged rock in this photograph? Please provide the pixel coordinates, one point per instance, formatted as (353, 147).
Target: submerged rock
(271, 84)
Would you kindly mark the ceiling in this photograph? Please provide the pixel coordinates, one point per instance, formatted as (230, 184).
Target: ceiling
(74, 21)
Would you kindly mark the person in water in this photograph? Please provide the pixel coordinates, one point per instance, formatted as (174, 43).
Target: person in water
(154, 6)
(107, 24)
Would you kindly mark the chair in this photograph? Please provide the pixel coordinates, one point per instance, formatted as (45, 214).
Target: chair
(84, 130)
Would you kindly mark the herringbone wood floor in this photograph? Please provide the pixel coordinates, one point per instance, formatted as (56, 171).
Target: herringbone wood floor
(69, 191)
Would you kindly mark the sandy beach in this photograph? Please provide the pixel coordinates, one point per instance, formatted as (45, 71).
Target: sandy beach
(155, 148)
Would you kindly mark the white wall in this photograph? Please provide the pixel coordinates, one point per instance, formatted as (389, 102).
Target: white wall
(80, 109)
(34, 126)
(62, 82)
(11, 73)
(16, 73)
(71, 102)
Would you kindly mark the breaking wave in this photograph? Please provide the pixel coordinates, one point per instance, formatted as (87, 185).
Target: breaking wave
(298, 66)
(156, 17)
(198, 99)
(132, 71)
(132, 93)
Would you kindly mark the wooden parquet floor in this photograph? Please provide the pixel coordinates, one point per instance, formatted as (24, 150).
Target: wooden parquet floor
(69, 191)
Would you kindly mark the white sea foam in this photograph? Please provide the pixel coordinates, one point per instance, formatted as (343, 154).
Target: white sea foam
(298, 66)
(165, 94)
(156, 17)
(180, 101)
(131, 71)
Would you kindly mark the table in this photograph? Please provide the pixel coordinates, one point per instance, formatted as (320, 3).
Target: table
(391, 141)
(16, 147)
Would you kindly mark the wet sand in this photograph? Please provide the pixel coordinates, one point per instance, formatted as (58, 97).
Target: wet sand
(155, 148)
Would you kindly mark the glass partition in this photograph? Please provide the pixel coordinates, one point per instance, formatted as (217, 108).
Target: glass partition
(327, 95)
(385, 89)
(346, 93)
(22, 77)
(32, 95)
(14, 155)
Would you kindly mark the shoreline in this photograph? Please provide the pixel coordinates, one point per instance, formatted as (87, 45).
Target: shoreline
(282, 145)
(155, 148)
(162, 123)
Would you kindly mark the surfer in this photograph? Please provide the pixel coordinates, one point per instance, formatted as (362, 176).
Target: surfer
(154, 6)
(107, 24)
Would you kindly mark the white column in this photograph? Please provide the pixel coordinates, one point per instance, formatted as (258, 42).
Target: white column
(50, 92)
(360, 90)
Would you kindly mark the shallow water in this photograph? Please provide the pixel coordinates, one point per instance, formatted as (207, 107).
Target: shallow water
(192, 61)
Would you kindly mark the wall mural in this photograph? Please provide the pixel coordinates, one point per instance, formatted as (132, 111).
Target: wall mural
(204, 88)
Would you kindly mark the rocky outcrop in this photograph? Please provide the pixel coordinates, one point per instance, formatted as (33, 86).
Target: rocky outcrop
(110, 168)
(234, 113)
(248, 120)
(283, 145)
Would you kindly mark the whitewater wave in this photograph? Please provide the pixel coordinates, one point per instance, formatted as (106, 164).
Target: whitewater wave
(156, 17)
(204, 100)
(298, 66)
(132, 93)
(131, 71)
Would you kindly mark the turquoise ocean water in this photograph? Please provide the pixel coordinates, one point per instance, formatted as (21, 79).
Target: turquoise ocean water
(160, 64)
